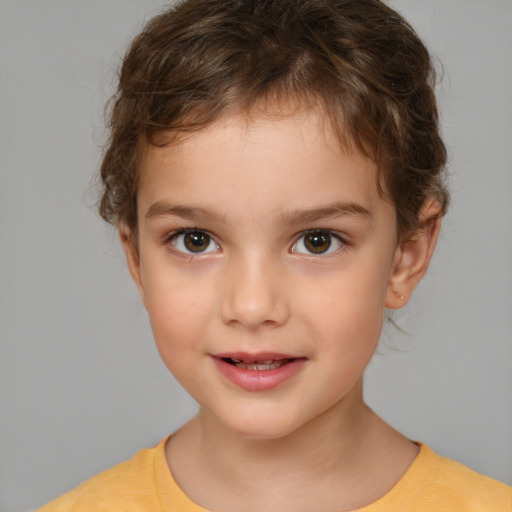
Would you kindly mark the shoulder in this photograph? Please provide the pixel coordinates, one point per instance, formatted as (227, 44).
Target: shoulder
(455, 483)
(129, 486)
(455, 474)
(436, 483)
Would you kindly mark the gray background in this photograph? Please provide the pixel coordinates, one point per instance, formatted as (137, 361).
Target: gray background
(81, 384)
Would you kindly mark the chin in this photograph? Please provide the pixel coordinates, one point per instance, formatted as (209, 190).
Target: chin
(261, 427)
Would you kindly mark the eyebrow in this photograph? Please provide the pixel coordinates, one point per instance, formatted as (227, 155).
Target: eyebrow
(297, 216)
(162, 208)
(337, 209)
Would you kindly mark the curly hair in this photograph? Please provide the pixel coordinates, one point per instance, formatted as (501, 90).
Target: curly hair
(358, 60)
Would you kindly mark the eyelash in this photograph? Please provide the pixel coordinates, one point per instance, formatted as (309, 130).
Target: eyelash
(172, 237)
(322, 232)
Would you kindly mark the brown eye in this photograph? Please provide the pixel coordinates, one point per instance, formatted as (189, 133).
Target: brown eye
(317, 242)
(194, 242)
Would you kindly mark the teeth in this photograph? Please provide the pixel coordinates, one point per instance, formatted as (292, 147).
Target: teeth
(270, 361)
(263, 365)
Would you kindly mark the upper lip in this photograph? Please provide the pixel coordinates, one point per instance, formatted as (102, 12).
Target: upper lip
(247, 357)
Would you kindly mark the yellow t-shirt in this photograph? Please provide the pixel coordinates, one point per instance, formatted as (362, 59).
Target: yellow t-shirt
(145, 484)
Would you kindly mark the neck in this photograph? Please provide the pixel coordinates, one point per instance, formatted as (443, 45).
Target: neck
(317, 446)
(344, 454)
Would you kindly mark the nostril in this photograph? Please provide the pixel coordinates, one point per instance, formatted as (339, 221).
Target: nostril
(252, 298)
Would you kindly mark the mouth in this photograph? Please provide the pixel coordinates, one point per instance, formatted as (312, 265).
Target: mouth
(269, 364)
(258, 372)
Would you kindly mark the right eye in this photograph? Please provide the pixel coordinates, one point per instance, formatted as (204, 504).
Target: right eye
(193, 241)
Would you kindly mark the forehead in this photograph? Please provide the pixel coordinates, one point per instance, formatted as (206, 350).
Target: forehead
(259, 162)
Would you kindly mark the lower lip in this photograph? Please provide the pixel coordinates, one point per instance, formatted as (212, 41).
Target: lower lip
(259, 380)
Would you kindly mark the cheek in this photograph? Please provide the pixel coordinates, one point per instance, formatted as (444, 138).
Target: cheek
(346, 314)
(179, 314)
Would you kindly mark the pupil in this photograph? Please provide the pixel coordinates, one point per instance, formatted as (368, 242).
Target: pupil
(318, 242)
(196, 241)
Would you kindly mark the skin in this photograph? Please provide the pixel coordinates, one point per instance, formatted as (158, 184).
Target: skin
(256, 187)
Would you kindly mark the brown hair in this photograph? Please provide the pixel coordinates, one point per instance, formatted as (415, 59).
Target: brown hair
(357, 59)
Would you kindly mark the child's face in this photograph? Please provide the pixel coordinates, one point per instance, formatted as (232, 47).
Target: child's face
(265, 243)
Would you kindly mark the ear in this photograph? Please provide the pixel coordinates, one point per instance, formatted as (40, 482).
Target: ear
(412, 257)
(129, 243)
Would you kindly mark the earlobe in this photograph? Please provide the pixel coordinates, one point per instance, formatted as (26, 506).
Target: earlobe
(132, 257)
(412, 257)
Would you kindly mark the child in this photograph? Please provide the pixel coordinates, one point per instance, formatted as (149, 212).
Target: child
(276, 175)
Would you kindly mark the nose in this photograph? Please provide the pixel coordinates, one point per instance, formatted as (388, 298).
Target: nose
(255, 294)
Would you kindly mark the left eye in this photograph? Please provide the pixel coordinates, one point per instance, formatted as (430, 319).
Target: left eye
(194, 242)
(317, 242)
